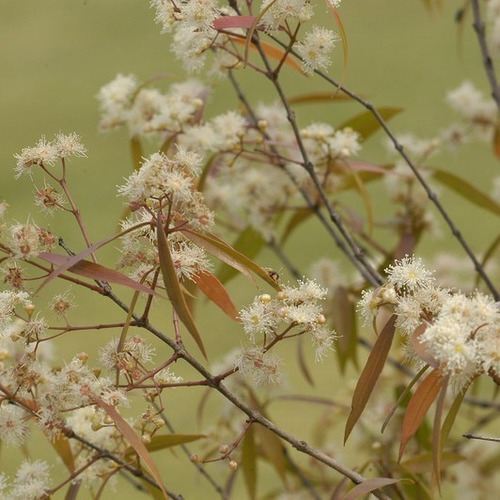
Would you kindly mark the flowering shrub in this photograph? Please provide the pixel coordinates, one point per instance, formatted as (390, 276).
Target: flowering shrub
(214, 192)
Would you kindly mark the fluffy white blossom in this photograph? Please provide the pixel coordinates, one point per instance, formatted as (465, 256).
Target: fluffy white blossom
(316, 48)
(13, 427)
(276, 13)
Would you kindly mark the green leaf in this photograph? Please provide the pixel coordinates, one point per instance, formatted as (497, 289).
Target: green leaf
(451, 416)
(302, 362)
(272, 448)
(136, 152)
(226, 253)
(249, 462)
(318, 97)
(249, 242)
(344, 322)
(297, 218)
(465, 189)
(158, 443)
(173, 287)
(366, 124)
(370, 374)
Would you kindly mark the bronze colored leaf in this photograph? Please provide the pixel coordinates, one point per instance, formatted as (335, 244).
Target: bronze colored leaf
(173, 287)
(370, 485)
(419, 406)
(370, 374)
(215, 291)
(96, 272)
(63, 449)
(131, 436)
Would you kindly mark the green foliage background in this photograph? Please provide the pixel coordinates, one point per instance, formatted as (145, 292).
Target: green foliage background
(55, 55)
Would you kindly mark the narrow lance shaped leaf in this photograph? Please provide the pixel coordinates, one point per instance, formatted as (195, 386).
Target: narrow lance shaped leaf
(131, 436)
(302, 362)
(366, 124)
(370, 485)
(370, 374)
(216, 292)
(74, 259)
(249, 241)
(272, 52)
(496, 140)
(344, 322)
(158, 443)
(436, 434)
(466, 190)
(249, 462)
(451, 416)
(418, 407)
(173, 287)
(63, 449)
(227, 254)
(96, 272)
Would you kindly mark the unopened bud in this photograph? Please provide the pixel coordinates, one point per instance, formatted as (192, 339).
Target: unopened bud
(265, 298)
(223, 449)
(233, 465)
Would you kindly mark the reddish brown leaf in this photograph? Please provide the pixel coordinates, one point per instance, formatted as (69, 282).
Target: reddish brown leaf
(95, 272)
(370, 374)
(74, 259)
(215, 291)
(273, 52)
(131, 436)
(370, 485)
(419, 406)
(436, 434)
(226, 22)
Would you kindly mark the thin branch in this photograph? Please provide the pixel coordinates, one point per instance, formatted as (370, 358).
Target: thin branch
(254, 415)
(399, 148)
(478, 25)
(482, 438)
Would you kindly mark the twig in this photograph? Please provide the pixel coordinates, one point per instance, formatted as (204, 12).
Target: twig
(399, 148)
(478, 25)
(482, 438)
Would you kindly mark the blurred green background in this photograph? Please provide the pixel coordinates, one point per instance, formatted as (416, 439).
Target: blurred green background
(56, 54)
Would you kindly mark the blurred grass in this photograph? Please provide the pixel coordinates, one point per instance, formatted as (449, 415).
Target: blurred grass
(54, 56)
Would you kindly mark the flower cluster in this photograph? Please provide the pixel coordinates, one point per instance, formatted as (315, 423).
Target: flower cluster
(293, 311)
(46, 153)
(147, 111)
(456, 333)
